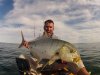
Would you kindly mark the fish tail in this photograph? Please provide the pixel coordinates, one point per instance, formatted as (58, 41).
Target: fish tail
(22, 40)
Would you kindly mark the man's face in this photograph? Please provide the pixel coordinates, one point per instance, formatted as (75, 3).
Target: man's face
(49, 28)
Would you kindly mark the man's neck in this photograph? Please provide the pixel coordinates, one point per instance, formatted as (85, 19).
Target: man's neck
(48, 34)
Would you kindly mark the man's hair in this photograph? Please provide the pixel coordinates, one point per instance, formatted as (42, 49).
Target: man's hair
(48, 21)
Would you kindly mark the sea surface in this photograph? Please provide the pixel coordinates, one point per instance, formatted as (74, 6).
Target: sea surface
(90, 53)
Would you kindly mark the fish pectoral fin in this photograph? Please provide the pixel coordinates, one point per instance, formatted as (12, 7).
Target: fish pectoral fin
(51, 62)
(53, 59)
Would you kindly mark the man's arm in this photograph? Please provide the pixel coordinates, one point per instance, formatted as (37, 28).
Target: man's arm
(83, 71)
(78, 69)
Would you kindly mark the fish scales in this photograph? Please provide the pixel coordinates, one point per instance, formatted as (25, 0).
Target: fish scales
(46, 48)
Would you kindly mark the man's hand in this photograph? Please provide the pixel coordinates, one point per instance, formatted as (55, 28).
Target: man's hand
(26, 44)
(72, 67)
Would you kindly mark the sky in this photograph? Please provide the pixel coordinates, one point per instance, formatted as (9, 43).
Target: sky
(76, 21)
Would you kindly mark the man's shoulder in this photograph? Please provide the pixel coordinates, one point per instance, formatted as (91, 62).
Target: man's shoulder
(54, 37)
(43, 37)
(40, 37)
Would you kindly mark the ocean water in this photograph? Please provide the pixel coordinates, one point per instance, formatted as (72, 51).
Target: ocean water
(90, 53)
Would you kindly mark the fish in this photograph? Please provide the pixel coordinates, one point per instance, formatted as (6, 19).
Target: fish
(53, 49)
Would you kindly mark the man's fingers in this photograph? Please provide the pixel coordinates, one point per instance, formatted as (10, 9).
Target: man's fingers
(25, 44)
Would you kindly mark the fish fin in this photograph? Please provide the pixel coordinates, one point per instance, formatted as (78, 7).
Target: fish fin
(22, 40)
(54, 58)
(51, 60)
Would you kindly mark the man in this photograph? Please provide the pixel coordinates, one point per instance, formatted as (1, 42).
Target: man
(48, 33)
(48, 28)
